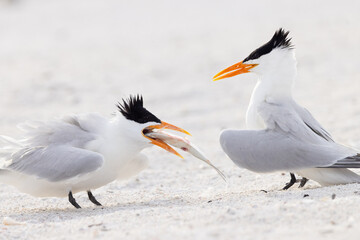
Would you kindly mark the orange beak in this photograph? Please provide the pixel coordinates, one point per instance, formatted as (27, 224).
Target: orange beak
(234, 70)
(161, 143)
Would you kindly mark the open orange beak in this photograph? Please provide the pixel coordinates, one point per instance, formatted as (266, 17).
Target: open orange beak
(161, 143)
(234, 70)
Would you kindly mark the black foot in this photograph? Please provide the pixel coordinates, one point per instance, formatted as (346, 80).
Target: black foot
(93, 199)
(303, 182)
(292, 182)
(73, 201)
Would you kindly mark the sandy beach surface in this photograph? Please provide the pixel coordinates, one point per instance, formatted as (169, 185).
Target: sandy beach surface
(60, 57)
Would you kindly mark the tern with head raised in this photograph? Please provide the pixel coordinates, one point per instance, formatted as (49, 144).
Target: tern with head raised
(282, 135)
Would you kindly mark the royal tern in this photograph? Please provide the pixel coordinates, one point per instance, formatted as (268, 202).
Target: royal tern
(282, 135)
(80, 152)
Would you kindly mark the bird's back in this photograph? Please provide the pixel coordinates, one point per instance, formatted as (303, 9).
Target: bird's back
(291, 140)
(54, 151)
(72, 130)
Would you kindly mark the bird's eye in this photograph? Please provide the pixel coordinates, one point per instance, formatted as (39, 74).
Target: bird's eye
(146, 130)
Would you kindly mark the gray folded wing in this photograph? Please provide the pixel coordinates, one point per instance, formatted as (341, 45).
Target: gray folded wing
(288, 143)
(348, 162)
(55, 163)
(312, 123)
(267, 151)
(55, 150)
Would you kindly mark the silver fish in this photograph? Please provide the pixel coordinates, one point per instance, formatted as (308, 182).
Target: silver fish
(184, 144)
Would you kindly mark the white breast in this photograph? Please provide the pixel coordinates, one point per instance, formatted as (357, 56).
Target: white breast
(253, 119)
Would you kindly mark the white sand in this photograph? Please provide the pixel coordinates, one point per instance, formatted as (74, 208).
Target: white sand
(67, 56)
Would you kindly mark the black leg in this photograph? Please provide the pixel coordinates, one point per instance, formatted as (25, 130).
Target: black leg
(292, 182)
(73, 201)
(93, 199)
(303, 182)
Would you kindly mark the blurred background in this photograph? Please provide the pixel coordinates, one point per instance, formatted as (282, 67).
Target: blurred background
(74, 56)
(59, 57)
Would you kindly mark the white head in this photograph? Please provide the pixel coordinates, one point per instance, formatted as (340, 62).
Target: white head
(274, 60)
(136, 122)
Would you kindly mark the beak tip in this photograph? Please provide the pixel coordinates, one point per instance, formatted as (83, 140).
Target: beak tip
(178, 154)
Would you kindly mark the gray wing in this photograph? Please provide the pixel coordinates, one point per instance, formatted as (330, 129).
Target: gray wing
(55, 150)
(55, 163)
(352, 161)
(287, 143)
(312, 123)
(285, 119)
(348, 162)
(75, 130)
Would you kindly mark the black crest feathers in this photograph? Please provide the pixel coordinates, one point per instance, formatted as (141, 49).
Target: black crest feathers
(279, 40)
(133, 109)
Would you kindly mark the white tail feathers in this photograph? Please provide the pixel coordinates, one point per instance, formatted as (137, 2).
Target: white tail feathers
(30, 126)
(8, 146)
(6, 141)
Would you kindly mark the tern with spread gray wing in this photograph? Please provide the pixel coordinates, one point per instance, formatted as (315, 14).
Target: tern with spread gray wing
(80, 152)
(282, 135)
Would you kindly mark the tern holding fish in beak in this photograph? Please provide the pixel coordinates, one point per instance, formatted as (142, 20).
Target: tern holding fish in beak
(83, 152)
(282, 135)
